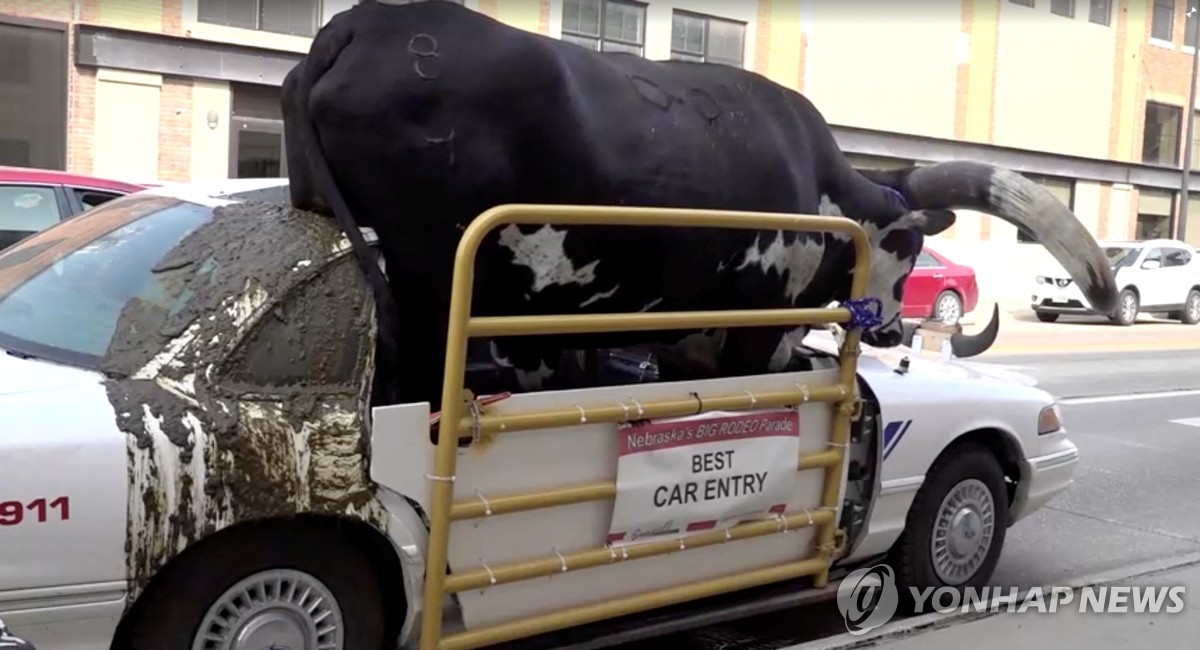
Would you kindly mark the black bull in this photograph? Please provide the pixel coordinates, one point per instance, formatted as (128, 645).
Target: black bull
(417, 118)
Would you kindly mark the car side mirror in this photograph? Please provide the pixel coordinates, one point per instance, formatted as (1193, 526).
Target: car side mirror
(1151, 264)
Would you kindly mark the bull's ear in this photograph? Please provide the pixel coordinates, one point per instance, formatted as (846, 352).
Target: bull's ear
(927, 222)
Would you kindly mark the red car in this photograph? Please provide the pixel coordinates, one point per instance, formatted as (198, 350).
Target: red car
(32, 200)
(939, 289)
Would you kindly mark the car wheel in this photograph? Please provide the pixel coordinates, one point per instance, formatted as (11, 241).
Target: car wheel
(956, 525)
(948, 308)
(1046, 317)
(1191, 308)
(1127, 310)
(299, 588)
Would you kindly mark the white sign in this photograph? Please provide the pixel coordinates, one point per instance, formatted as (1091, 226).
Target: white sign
(690, 475)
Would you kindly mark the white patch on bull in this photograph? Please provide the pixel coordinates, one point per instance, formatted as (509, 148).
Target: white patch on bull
(532, 381)
(600, 296)
(886, 270)
(245, 306)
(214, 340)
(301, 264)
(169, 354)
(783, 353)
(543, 253)
(800, 259)
(651, 305)
(828, 208)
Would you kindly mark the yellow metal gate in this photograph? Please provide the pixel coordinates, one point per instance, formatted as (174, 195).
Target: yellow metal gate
(462, 327)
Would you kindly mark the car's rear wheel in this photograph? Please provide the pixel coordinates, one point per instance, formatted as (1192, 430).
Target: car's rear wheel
(1191, 308)
(948, 308)
(1127, 308)
(1045, 316)
(956, 525)
(300, 588)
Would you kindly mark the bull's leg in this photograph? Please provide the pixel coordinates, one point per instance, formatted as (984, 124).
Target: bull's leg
(748, 351)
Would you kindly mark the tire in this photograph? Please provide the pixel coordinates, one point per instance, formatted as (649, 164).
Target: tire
(970, 471)
(1045, 316)
(948, 302)
(171, 612)
(1127, 310)
(1191, 308)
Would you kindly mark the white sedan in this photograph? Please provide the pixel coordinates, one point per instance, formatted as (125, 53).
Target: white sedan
(190, 462)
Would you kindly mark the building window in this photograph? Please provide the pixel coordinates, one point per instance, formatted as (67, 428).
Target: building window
(1063, 8)
(605, 25)
(33, 96)
(1189, 26)
(1023, 3)
(695, 37)
(1160, 137)
(256, 145)
(1154, 213)
(295, 17)
(1063, 189)
(1163, 24)
(1100, 12)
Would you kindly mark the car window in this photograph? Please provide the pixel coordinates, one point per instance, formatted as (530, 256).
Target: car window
(25, 210)
(1119, 256)
(63, 290)
(925, 260)
(1176, 257)
(1153, 255)
(312, 323)
(92, 198)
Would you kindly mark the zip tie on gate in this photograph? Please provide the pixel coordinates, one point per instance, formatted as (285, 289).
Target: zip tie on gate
(561, 559)
(448, 479)
(810, 517)
(624, 408)
(491, 576)
(487, 507)
(582, 414)
(728, 534)
(843, 445)
(753, 399)
(682, 546)
(781, 524)
(473, 408)
(803, 391)
(500, 418)
(699, 401)
(641, 411)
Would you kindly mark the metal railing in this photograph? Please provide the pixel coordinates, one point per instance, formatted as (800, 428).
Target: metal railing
(463, 326)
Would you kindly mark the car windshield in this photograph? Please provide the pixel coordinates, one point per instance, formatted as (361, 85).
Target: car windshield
(1119, 256)
(63, 290)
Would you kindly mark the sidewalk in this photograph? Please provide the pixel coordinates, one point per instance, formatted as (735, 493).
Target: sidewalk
(1065, 629)
(1022, 333)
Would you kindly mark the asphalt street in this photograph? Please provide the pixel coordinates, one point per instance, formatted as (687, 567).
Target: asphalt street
(1133, 501)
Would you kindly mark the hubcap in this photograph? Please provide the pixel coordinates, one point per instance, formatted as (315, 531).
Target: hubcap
(948, 309)
(962, 533)
(281, 609)
(1193, 307)
(1128, 307)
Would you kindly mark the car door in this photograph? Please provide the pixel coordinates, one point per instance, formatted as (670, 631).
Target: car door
(1176, 280)
(922, 287)
(29, 208)
(1151, 279)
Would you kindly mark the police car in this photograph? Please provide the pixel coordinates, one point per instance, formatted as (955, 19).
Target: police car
(193, 459)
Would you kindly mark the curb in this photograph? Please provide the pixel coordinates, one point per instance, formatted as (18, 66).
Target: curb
(918, 625)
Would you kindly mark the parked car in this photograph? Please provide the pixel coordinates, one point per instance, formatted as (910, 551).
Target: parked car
(32, 200)
(1156, 276)
(939, 289)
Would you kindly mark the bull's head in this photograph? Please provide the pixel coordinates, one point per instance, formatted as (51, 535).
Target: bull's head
(932, 192)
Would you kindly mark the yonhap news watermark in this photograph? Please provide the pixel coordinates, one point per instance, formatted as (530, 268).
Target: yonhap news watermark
(869, 598)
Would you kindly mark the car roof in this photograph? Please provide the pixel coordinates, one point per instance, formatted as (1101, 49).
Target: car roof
(53, 176)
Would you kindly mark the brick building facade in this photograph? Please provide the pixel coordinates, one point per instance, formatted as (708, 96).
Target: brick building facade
(1085, 97)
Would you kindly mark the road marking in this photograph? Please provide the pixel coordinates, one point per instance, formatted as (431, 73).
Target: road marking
(1104, 399)
(1188, 422)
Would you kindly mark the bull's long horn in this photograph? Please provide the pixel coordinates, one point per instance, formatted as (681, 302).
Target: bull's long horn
(970, 345)
(1019, 201)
